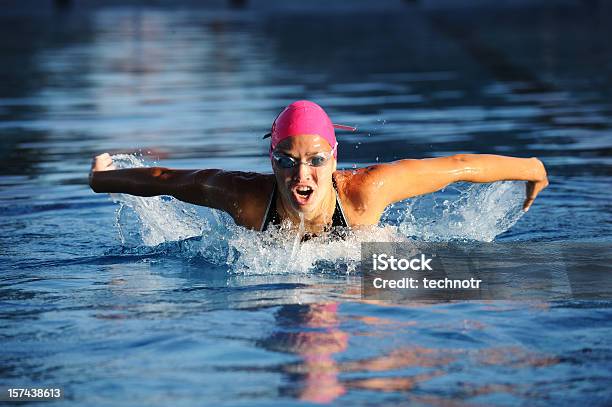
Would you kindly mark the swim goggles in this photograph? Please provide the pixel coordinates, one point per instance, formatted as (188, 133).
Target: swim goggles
(317, 160)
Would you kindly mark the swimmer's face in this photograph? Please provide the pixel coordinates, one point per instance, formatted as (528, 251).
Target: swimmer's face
(304, 186)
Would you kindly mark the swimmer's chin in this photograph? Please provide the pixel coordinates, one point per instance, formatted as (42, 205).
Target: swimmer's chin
(303, 207)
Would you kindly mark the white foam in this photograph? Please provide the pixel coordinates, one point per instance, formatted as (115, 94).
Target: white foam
(479, 212)
(158, 219)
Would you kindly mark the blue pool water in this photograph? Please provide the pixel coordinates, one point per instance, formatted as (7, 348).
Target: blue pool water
(131, 301)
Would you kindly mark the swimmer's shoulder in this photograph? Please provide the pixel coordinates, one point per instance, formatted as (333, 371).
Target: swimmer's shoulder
(252, 191)
(359, 202)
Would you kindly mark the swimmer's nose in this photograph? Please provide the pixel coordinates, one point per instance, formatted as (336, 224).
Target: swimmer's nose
(303, 172)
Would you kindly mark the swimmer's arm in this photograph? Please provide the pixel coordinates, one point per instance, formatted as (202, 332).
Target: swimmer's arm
(404, 179)
(212, 188)
(187, 185)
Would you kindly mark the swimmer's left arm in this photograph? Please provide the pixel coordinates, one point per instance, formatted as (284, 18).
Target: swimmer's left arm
(404, 179)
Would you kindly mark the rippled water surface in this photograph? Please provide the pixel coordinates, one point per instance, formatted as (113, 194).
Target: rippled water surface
(135, 301)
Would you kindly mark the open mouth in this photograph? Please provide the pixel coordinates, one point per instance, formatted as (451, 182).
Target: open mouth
(302, 194)
(304, 191)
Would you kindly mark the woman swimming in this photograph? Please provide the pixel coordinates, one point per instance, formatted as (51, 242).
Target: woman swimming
(305, 184)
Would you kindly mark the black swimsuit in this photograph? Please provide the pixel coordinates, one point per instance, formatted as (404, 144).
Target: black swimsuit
(272, 217)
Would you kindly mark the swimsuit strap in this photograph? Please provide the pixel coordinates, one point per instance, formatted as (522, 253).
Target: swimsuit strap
(272, 216)
(271, 212)
(339, 218)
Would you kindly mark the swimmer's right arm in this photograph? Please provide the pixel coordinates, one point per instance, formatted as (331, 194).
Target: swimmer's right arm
(211, 188)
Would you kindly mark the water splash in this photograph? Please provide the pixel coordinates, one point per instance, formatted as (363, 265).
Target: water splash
(153, 220)
(475, 212)
(276, 251)
(479, 212)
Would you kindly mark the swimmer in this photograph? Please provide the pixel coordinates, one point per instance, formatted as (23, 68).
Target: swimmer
(306, 186)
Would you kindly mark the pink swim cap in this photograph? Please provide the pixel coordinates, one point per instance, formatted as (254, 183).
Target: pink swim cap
(305, 117)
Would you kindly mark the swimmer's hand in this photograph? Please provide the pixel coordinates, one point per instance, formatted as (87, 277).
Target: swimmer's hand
(534, 187)
(102, 162)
